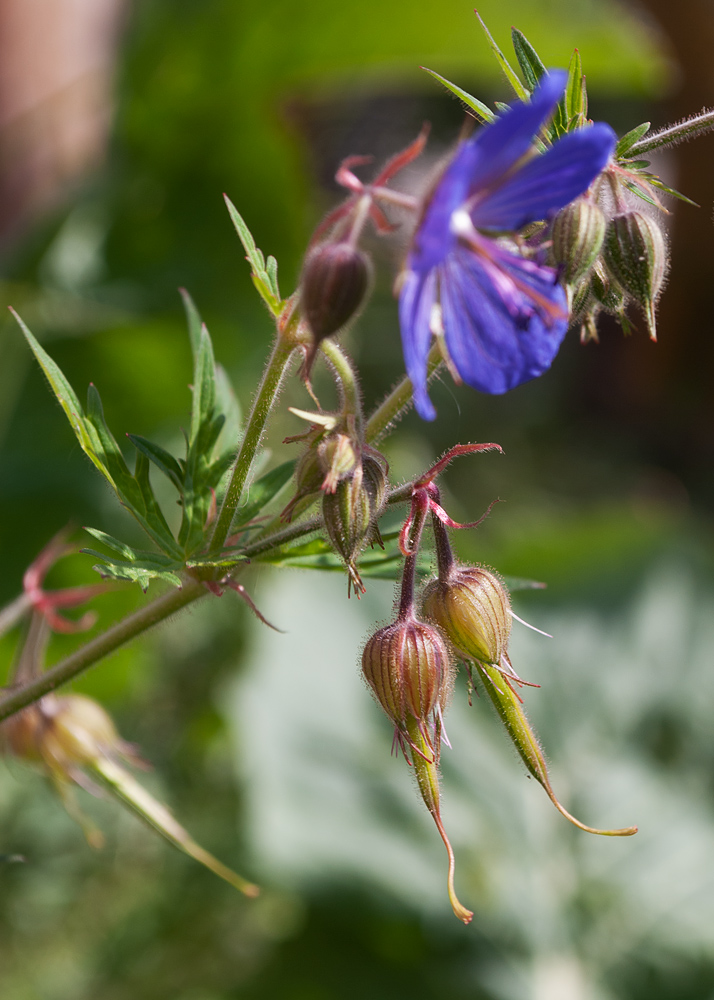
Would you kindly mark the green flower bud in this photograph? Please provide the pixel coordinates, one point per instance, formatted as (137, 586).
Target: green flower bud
(577, 233)
(636, 255)
(350, 513)
(473, 608)
(408, 667)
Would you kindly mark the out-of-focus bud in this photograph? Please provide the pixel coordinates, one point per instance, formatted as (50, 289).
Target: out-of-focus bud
(473, 608)
(636, 254)
(334, 283)
(338, 458)
(408, 667)
(72, 737)
(588, 329)
(510, 709)
(350, 514)
(577, 233)
(64, 732)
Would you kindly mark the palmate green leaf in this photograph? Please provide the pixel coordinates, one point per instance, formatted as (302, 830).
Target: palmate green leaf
(510, 73)
(98, 443)
(162, 459)
(481, 110)
(134, 491)
(264, 490)
(67, 399)
(134, 565)
(264, 277)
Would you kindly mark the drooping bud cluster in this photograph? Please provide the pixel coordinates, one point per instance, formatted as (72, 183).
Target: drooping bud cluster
(607, 261)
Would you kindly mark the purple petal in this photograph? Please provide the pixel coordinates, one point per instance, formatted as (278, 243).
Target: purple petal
(416, 299)
(493, 349)
(548, 182)
(477, 164)
(502, 144)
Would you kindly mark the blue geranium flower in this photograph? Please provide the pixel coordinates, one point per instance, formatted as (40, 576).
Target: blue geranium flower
(502, 316)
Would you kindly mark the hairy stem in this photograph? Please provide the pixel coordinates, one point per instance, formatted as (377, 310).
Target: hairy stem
(118, 635)
(262, 407)
(398, 400)
(673, 134)
(347, 379)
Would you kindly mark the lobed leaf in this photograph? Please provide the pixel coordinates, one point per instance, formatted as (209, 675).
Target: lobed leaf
(162, 459)
(264, 280)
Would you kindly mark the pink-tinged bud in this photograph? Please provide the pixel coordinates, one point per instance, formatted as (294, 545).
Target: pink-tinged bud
(636, 255)
(577, 234)
(409, 669)
(334, 283)
(471, 605)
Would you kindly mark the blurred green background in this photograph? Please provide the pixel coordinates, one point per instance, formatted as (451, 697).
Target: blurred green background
(268, 746)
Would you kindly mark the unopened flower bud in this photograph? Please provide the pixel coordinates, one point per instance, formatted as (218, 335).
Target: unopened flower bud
(577, 232)
(636, 254)
(473, 608)
(408, 667)
(350, 513)
(337, 458)
(80, 731)
(335, 278)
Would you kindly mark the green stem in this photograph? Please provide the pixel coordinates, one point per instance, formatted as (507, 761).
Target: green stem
(86, 656)
(351, 403)
(262, 407)
(134, 625)
(398, 400)
(673, 134)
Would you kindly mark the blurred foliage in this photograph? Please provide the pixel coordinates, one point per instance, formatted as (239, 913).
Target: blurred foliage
(269, 748)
